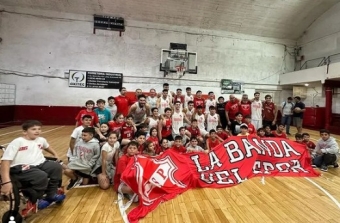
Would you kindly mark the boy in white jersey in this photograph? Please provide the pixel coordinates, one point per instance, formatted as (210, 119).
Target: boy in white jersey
(188, 97)
(112, 107)
(178, 119)
(24, 160)
(210, 102)
(256, 111)
(199, 116)
(76, 136)
(163, 102)
(212, 119)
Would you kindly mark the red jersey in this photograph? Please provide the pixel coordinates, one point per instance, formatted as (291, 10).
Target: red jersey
(245, 108)
(276, 135)
(83, 112)
(180, 149)
(127, 131)
(251, 129)
(155, 142)
(123, 104)
(232, 108)
(222, 135)
(212, 144)
(194, 131)
(268, 111)
(167, 128)
(115, 126)
(199, 101)
(309, 144)
(121, 166)
(179, 98)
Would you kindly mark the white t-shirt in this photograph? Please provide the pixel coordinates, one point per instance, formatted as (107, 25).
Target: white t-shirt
(187, 99)
(26, 152)
(287, 108)
(76, 134)
(212, 122)
(209, 103)
(163, 105)
(113, 110)
(177, 122)
(201, 121)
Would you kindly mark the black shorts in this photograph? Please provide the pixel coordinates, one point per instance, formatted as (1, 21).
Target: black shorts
(83, 175)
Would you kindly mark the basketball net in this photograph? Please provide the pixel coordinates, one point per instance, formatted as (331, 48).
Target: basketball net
(180, 71)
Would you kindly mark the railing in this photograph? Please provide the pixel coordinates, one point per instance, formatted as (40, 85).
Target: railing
(317, 62)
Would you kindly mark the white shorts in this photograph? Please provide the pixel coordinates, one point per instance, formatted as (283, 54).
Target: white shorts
(203, 132)
(257, 124)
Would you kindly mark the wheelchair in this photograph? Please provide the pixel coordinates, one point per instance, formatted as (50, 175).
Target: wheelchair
(20, 199)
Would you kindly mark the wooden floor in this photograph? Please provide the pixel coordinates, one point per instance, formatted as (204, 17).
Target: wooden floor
(278, 200)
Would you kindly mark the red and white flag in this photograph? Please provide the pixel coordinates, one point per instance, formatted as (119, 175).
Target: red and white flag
(237, 159)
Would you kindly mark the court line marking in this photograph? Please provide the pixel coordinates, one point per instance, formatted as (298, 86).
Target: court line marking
(41, 133)
(11, 132)
(323, 190)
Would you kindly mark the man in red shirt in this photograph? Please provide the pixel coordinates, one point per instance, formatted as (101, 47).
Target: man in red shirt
(245, 106)
(122, 102)
(198, 100)
(269, 113)
(231, 108)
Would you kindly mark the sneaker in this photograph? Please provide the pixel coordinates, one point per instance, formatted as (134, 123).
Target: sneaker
(335, 165)
(72, 184)
(30, 208)
(42, 204)
(324, 168)
(314, 166)
(58, 198)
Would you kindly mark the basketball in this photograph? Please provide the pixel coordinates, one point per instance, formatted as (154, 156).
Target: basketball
(103, 181)
(297, 110)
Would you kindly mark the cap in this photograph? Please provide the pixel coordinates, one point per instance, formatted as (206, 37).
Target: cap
(243, 126)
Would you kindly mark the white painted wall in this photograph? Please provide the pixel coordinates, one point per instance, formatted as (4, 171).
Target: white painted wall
(37, 43)
(322, 38)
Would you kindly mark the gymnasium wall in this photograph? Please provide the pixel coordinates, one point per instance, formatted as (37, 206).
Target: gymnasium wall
(322, 38)
(39, 46)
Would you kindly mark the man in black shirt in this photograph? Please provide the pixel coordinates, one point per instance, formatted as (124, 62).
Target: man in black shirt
(299, 109)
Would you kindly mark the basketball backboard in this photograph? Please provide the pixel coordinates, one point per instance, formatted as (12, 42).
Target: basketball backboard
(170, 59)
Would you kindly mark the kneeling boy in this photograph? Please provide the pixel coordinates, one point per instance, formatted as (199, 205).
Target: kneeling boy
(23, 159)
(87, 153)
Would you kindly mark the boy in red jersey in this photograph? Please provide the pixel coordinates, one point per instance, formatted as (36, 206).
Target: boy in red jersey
(261, 133)
(88, 111)
(194, 131)
(117, 123)
(198, 100)
(212, 140)
(279, 132)
(154, 139)
(221, 134)
(306, 140)
(128, 130)
(299, 138)
(165, 126)
(178, 146)
(123, 102)
(251, 127)
(132, 149)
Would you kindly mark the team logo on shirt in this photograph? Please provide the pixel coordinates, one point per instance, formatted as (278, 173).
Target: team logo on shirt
(163, 176)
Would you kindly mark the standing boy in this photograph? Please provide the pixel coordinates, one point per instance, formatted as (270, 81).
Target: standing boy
(104, 115)
(88, 111)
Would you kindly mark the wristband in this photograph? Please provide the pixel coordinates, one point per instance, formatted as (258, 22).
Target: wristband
(5, 183)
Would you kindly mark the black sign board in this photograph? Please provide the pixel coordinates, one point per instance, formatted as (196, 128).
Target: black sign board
(109, 23)
(95, 79)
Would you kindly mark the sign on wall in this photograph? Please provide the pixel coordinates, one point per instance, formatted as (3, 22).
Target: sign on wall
(95, 79)
(229, 86)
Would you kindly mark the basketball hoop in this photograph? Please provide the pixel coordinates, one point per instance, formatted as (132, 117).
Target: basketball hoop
(180, 70)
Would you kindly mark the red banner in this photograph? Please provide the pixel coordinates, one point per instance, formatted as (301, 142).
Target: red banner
(237, 159)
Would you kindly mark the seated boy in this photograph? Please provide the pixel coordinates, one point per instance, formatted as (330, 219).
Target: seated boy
(251, 127)
(193, 147)
(212, 141)
(298, 138)
(76, 135)
(87, 153)
(185, 138)
(23, 159)
(279, 132)
(221, 133)
(326, 150)
(194, 131)
(243, 130)
(261, 133)
(132, 149)
(178, 146)
(306, 140)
